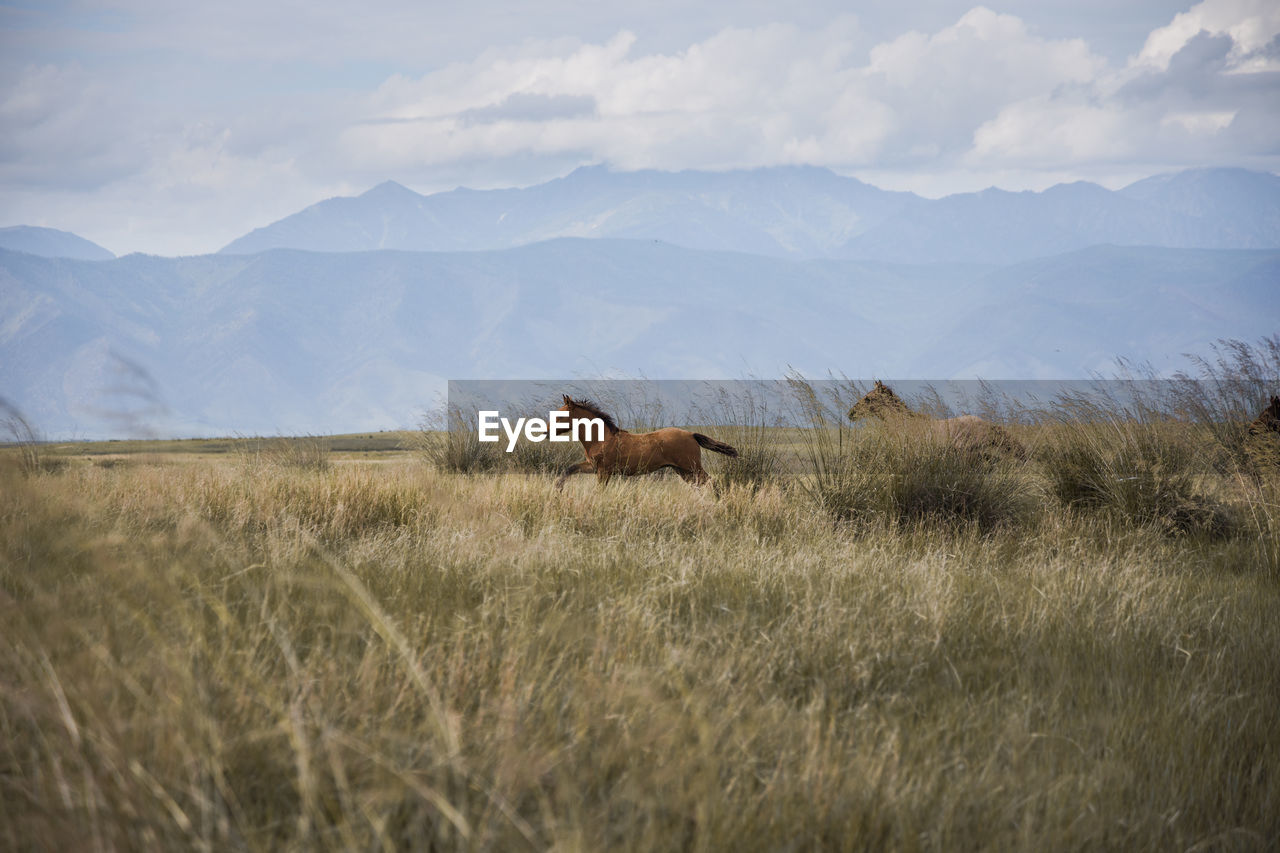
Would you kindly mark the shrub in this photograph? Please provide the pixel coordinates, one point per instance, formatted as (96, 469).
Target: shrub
(1224, 394)
(302, 453)
(1142, 471)
(916, 478)
(542, 457)
(745, 422)
(458, 448)
(30, 455)
(758, 463)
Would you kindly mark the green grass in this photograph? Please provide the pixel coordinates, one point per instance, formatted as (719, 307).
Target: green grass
(361, 443)
(203, 652)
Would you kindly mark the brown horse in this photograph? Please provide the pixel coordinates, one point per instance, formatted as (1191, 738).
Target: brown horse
(621, 452)
(1269, 420)
(1263, 445)
(966, 432)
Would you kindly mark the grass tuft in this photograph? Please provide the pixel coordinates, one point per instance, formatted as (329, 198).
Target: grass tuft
(302, 453)
(1144, 472)
(915, 478)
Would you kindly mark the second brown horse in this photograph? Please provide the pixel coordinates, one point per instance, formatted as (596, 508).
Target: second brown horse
(967, 433)
(622, 452)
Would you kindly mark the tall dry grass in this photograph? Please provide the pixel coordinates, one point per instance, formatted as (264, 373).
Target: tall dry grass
(306, 453)
(404, 658)
(867, 640)
(25, 445)
(917, 477)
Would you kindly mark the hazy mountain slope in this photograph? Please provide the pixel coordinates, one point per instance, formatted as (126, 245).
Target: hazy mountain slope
(1203, 208)
(995, 226)
(1213, 208)
(1105, 301)
(51, 243)
(290, 341)
(796, 212)
(784, 211)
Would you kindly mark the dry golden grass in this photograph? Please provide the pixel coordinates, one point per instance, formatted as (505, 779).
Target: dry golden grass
(209, 654)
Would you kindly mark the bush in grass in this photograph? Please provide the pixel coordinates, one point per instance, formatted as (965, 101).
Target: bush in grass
(15, 430)
(908, 479)
(758, 463)
(745, 422)
(1263, 455)
(1260, 521)
(1144, 472)
(302, 453)
(541, 457)
(1224, 393)
(457, 449)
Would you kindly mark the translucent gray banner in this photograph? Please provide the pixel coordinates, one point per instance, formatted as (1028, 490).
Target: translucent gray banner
(642, 404)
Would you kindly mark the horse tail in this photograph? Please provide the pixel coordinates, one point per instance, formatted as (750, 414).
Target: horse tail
(712, 444)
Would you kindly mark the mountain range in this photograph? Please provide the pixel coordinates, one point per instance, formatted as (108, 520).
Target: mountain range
(287, 341)
(351, 314)
(795, 212)
(51, 243)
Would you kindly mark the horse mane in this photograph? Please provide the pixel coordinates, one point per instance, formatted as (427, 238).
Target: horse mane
(587, 405)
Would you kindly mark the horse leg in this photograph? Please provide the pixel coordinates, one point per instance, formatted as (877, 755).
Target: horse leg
(583, 467)
(696, 475)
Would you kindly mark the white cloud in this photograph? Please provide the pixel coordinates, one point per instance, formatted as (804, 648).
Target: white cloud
(1201, 92)
(744, 97)
(995, 51)
(942, 87)
(60, 128)
(1043, 131)
(1200, 123)
(1251, 24)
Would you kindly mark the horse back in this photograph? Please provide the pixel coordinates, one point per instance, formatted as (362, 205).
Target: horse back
(640, 453)
(970, 432)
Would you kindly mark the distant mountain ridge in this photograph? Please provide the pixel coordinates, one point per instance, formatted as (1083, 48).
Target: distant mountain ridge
(795, 212)
(51, 243)
(288, 341)
(764, 211)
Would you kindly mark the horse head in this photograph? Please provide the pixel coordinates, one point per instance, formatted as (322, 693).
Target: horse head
(1269, 419)
(583, 410)
(879, 402)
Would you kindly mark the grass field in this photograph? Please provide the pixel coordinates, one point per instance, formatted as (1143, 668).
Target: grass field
(332, 644)
(356, 443)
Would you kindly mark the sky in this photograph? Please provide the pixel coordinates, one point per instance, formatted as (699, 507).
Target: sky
(172, 127)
